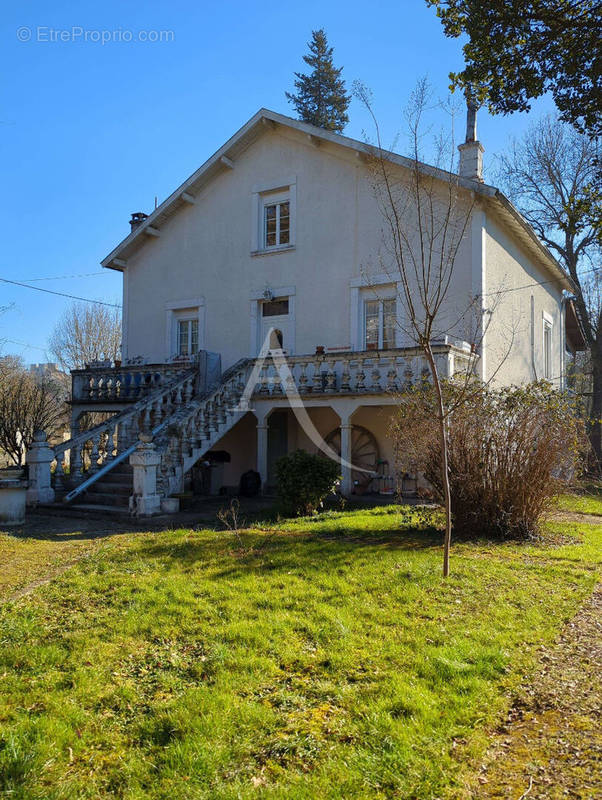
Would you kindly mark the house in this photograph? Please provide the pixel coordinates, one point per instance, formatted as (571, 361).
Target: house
(275, 243)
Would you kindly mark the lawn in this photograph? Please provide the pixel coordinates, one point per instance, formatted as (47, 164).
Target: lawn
(317, 659)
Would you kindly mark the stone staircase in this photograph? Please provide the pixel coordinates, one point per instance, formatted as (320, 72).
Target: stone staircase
(184, 422)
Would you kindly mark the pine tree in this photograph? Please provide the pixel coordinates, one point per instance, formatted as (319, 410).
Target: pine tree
(321, 98)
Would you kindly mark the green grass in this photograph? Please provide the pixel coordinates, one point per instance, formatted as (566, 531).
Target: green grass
(334, 662)
(588, 502)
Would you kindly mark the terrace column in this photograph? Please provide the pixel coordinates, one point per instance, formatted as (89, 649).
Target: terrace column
(262, 451)
(347, 481)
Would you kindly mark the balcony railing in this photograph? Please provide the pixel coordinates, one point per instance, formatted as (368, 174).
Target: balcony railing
(364, 372)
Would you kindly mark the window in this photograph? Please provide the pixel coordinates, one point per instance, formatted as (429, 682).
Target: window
(188, 337)
(379, 324)
(276, 224)
(547, 349)
(275, 308)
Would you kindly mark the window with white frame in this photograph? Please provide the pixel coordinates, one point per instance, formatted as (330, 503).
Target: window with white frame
(187, 336)
(379, 324)
(276, 221)
(547, 347)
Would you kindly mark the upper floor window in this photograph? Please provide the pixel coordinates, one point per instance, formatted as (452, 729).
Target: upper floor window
(188, 337)
(276, 224)
(379, 324)
(547, 348)
(274, 213)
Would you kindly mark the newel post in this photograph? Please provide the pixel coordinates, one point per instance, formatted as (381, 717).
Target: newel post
(39, 458)
(144, 460)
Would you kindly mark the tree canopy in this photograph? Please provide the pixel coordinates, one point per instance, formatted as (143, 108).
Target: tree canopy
(519, 49)
(86, 332)
(321, 98)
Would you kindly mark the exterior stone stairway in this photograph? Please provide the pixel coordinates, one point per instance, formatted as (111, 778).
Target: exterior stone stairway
(184, 422)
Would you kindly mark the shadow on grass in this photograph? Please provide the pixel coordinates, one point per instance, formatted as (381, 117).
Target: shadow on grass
(266, 551)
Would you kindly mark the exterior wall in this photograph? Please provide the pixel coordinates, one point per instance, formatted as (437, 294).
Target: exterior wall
(203, 258)
(514, 338)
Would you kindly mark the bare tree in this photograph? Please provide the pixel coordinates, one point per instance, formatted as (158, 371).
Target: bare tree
(27, 403)
(86, 332)
(551, 175)
(427, 216)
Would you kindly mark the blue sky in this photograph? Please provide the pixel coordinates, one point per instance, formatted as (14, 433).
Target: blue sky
(93, 132)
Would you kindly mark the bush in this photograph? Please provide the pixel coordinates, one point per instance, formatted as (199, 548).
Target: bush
(510, 451)
(303, 481)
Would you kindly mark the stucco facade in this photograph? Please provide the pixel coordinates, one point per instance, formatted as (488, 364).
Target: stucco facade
(206, 271)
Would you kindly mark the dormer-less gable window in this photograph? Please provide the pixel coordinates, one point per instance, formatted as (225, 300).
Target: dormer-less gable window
(276, 223)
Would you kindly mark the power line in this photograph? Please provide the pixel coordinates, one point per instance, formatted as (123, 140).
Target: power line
(60, 294)
(25, 344)
(65, 277)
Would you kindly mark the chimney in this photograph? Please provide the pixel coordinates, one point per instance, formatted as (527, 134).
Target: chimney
(137, 219)
(471, 152)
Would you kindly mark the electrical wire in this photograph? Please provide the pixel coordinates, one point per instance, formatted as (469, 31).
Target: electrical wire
(65, 277)
(60, 294)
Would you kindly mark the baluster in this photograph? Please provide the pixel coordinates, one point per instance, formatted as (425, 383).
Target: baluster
(331, 377)
(317, 376)
(75, 462)
(94, 455)
(375, 386)
(303, 378)
(345, 376)
(360, 376)
(146, 417)
(213, 416)
(221, 409)
(264, 381)
(178, 398)
(59, 473)
(392, 376)
(188, 390)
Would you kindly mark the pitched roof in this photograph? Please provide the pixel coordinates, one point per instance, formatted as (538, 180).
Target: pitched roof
(264, 120)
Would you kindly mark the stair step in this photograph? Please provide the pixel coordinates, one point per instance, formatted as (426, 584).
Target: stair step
(106, 498)
(117, 478)
(106, 487)
(97, 507)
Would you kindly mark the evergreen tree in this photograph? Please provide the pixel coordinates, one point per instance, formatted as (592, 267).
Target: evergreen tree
(321, 98)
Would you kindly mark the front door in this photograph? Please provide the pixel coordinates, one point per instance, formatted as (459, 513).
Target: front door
(275, 324)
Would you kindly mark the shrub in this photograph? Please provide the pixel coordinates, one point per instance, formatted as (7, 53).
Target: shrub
(303, 481)
(510, 451)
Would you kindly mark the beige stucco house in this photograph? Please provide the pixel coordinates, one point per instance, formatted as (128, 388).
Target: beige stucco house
(279, 235)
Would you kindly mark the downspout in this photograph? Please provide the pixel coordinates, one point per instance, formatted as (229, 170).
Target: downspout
(533, 367)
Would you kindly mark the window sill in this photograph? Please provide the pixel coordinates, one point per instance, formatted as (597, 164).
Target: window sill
(270, 251)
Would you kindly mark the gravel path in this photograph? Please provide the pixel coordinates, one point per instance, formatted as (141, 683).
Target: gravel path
(551, 744)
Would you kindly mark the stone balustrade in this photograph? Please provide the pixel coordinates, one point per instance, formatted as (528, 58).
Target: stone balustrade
(123, 384)
(98, 446)
(364, 372)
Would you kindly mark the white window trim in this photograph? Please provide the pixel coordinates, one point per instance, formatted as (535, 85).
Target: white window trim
(383, 287)
(547, 323)
(263, 195)
(173, 311)
(381, 318)
(256, 298)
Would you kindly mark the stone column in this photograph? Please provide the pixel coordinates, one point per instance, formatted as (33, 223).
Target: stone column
(262, 452)
(144, 460)
(39, 457)
(347, 482)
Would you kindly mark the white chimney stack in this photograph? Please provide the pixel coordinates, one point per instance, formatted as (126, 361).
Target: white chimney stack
(471, 152)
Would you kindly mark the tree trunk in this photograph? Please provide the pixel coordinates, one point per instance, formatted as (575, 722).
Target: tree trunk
(444, 460)
(596, 407)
